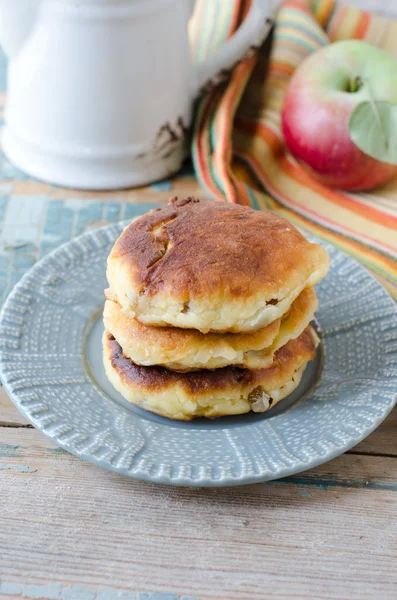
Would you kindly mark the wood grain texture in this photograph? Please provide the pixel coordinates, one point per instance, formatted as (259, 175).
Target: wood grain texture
(329, 533)
(9, 415)
(183, 187)
(383, 440)
(55, 591)
(319, 535)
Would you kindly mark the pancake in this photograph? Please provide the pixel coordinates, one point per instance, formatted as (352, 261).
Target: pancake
(227, 391)
(189, 349)
(211, 266)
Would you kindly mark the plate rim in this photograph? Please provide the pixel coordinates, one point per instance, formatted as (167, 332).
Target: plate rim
(110, 231)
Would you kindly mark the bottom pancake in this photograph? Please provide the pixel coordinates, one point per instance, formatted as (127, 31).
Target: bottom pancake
(204, 393)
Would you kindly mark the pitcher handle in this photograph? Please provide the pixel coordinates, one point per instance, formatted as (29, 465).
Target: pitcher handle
(249, 35)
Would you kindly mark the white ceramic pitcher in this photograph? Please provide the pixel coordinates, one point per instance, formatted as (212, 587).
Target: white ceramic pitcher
(100, 91)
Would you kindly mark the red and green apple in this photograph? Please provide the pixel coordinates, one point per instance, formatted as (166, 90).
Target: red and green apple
(323, 93)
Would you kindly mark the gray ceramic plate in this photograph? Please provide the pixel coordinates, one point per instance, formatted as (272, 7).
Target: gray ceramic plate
(51, 365)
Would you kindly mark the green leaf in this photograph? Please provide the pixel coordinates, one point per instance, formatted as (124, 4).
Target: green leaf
(373, 128)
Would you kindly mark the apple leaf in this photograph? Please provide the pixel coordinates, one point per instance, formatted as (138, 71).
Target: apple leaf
(373, 128)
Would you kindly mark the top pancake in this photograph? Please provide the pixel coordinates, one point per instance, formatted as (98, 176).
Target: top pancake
(211, 266)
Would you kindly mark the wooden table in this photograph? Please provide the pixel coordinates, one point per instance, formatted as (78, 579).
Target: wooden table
(71, 531)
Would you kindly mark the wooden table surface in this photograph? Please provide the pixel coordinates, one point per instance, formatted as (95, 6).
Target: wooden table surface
(71, 531)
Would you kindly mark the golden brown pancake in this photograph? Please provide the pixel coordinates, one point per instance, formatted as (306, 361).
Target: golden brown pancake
(189, 349)
(211, 266)
(204, 393)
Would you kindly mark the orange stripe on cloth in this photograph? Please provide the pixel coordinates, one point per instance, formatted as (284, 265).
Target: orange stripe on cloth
(338, 197)
(362, 26)
(282, 67)
(348, 22)
(235, 20)
(240, 10)
(201, 152)
(322, 10)
(223, 127)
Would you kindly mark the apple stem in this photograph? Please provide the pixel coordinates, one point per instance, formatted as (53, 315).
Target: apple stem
(355, 84)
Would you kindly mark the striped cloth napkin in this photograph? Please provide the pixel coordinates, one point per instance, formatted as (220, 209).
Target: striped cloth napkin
(238, 149)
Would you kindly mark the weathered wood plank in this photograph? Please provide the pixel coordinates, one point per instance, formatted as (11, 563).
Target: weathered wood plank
(55, 591)
(383, 439)
(157, 193)
(319, 535)
(9, 415)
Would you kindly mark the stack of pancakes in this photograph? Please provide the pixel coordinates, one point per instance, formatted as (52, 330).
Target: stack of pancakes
(208, 309)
